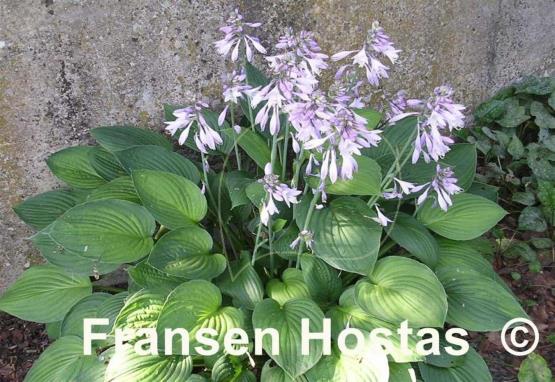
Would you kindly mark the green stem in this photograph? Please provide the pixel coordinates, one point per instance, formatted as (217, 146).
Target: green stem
(284, 152)
(273, 155)
(307, 224)
(237, 153)
(256, 242)
(298, 165)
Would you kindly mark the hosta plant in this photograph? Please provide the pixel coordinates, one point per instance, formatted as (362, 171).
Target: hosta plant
(303, 202)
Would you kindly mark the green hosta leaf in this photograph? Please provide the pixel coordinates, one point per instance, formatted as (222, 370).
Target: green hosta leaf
(44, 293)
(71, 261)
(345, 236)
(172, 199)
(116, 138)
(472, 370)
(369, 365)
(257, 149)
(256, 193)
(159, 159)
(141, 310)
(544, 119)
(72, 325)
(73, 166)
(146, 276)
(531, 219)
(128, 366)
(468, 218)
(237, 182)
(410, 234)
(197, 304)
(350, 315)
(286, 319)
(64, 361)
(114, 231)
(185, 253)
(120, 188)
(461, 158)
(290, 287)
(323, 282)
(401, 372)
(402, 289)
(111, 307)
(366, 181)
(231, 368)
(534, 369)
(254, 76)
(396, 140)
(477, 302)
(275, 374)
(372, 117)
(245, 286)
(54, 330)
(105, 164)
(41, 210)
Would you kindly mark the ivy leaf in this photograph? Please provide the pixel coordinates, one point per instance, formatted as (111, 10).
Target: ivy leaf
(516, 148)
(402, 289)
(286, 319)
(544, 119)
(534, 369)
(531, 219)
(514, 115)
(44, 293)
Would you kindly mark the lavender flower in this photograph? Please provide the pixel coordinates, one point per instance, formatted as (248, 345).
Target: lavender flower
(235, 89)
(235, 34)
(305, 48)
(377, 43)
(400, 188)
(275, 191)
(205, 137)
(306, 237)
(381, 219)
(444, 184)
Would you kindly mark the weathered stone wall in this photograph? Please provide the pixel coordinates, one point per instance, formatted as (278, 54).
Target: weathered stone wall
(69, 65)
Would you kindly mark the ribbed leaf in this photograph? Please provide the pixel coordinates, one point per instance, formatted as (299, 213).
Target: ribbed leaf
(146, 276)
(111, 307)
(291, 286)
(368, 365)
(73, 166)
(64, 361)
(41, 210)
(116, 138)
(121, 188)
(469, 217)
(256, 148)
(185, 253)
(71, 261)
(114, 231)
(401, 372)
(245, 287)
(402, 289)
(275, 374)
(172, 199)
(197, 304)
(410, 234)
(105, 164)
(44, 293)
(141, 310)
(345, 236)
(286, 319)
(158, 158)
(349, 315)
(323, 282)
(128, 366)
(472, 370)
(534, 369)
(237, 182)
(72, 325)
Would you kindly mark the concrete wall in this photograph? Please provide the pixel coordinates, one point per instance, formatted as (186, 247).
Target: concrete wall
(68, 65)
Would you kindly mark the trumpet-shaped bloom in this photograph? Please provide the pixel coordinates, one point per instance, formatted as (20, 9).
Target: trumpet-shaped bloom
(234, 35)
(275, 191)
(444, 185)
